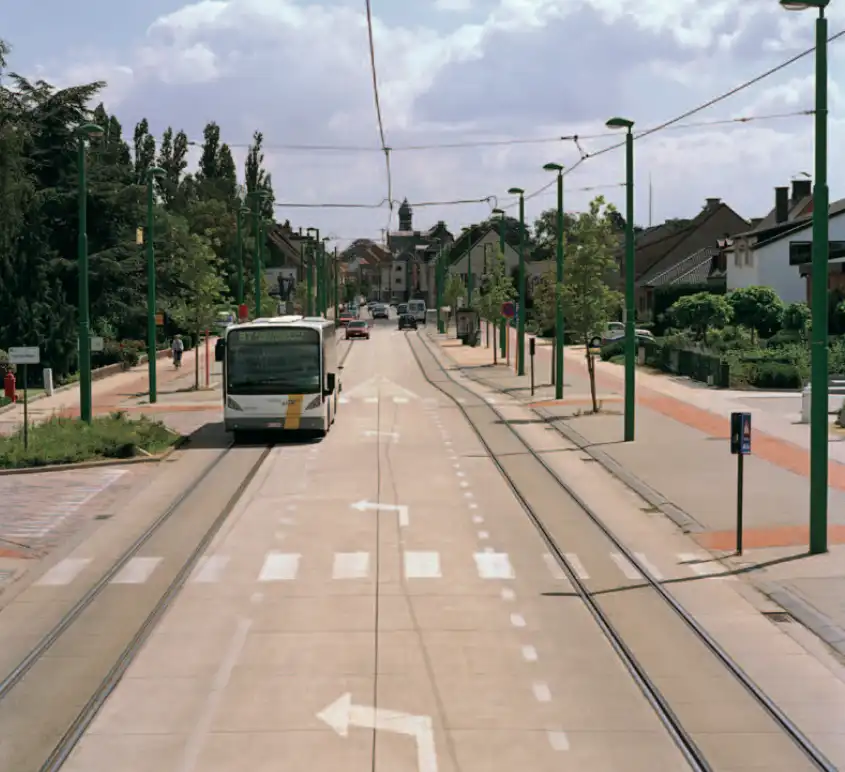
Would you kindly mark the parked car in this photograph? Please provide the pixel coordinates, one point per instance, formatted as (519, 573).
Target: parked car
(379, 311)
(357, 328)
(407, 322)
(346, 317)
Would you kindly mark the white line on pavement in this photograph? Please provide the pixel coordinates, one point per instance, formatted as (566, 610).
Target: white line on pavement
(136, 571)
(422, 565)
(351, 565)
(493, 565)
(210, 568)
(279, 567)
(625, 566)
(64, 572)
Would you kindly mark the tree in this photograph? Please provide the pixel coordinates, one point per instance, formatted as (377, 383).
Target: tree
(453, 290)
(256, 176)
(498, 289)
(544, 299)
(701, 312)
(797, 317)
(588, 300)
(760, 309)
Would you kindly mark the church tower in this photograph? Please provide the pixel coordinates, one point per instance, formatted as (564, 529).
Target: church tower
(406, 216)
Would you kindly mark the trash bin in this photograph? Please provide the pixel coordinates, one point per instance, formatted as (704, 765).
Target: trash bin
(48, 381)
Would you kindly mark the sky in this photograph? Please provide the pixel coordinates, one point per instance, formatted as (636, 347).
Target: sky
(459, 72)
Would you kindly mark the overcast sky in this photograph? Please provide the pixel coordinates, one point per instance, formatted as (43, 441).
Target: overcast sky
(457, 71)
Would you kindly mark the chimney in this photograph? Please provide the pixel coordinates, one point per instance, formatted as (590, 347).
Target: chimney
(781, 205)
(801, 189)
(712, 203)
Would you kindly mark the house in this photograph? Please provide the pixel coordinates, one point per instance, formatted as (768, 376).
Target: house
(412, 257)
(476, 249)
(705, 266)
(366, 260)
(776, 253)
(671, 251)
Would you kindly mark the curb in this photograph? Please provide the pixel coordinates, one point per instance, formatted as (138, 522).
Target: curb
(684, 521)
(178, 445)
(805, 613)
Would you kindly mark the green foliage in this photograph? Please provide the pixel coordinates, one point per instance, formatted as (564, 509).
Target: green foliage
(498, 290)
(666, 296)
(545, 296)
(701, 312)
(760, 309)
(797, 318)
(453, 290)
(67, 441)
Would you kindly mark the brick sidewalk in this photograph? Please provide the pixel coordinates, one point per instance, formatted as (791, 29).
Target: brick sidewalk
(681, 463)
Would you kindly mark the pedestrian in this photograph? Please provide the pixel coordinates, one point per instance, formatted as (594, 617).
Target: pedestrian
(177, 347)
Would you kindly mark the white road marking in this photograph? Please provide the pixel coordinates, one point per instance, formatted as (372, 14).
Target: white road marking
(477, 519)
(483, 535)
(542, 693)
(64, 572)
(554, 569)
(625, 566)
(342, 714)
(649, 566)
(279, 567)
(507, 593)
(529, 653)
(704, 565)
(199, 734)
(473, 506)
(469, 495)
(286, 521)
(351, 565)
(493, 565)
(400, 400)
(343, 400)
(558, 740)
(400, 509)
(517, 620)
(371, 400)
(422, 565)
(210, 568)
(577, 566)
(136, 571)
(464, 484)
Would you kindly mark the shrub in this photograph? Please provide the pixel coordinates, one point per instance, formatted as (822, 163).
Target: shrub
(613, 349)
(775, 375)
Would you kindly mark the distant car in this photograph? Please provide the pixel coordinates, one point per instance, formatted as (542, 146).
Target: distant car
(346, 317)
(407, 321)
(402, 309)
(379, 311)
(357, 328)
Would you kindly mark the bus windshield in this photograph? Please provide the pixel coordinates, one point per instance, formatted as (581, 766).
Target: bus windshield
(274, 360)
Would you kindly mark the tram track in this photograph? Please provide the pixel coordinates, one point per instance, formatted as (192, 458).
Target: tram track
(638, 622)
(39, 731)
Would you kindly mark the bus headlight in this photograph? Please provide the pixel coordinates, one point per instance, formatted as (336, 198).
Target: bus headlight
(232, 404)
(315, 403)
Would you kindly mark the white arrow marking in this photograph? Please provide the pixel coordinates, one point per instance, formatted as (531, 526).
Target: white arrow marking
(380, 387)
(365, 506)
(342, 714)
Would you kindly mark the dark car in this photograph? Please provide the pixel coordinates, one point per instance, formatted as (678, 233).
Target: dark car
(379, 311)
(357, 329)
(407, 322)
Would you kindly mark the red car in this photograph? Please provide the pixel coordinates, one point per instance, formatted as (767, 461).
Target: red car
(357, 329)
(345, 318)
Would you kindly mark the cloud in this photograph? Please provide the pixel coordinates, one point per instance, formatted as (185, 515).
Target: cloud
(299, 72)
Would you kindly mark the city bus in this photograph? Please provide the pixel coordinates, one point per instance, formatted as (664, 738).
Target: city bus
(280, 373)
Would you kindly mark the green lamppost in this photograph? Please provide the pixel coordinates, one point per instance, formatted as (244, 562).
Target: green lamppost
(324, 277)
(630, 321)
(258, 197)
(87, 131)
(503, 329)
(441, 326)
(559, 331)
(240, 213)
(520, 325)
(819, 428)
(152, 173)
(336, 288)
(311, 265)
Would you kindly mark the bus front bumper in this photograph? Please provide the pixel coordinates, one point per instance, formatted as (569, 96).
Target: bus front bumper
(307, 424)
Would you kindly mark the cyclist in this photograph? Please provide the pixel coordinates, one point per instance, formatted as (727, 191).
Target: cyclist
(176, 348)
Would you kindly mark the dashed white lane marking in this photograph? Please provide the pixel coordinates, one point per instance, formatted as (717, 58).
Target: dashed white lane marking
(136, 571)
(64, 572)
(649, 566)
(542, 693)
(279, 567)
(422, 565)
(400, 400)
(210, 568)
(507, 593)
(493, 565)
(459, 474)
(625, 566)
(477, 519)
(577, 566)
(463, 484)
(517, 620)
(483, 535)
(554, 569)
(371, 400)
(704, 565)
(469, 495)
(473, 505)
(351, 565)
(558, 740)
(529, 653)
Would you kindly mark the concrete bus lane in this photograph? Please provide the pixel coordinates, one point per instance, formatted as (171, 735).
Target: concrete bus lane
(377, 601)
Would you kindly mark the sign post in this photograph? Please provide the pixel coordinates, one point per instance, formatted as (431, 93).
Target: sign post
(740, 447)
(531, 350)
(25, 355)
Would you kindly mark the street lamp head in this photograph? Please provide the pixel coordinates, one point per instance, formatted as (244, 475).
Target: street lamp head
(90, 130)
(499, 211)
(552, 167)
(155, 171)
(516, 191)
(803, 5)
(619, 123)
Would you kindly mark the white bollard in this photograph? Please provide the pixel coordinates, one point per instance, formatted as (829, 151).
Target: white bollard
(48, 381)
(805, 405)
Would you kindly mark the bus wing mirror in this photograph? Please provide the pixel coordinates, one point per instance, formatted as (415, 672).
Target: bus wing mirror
(219, 349)
(331, 382)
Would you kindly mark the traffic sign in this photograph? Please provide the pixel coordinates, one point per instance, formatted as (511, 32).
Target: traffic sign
(24, 355)
(508, 310)
(243, 311)
(160, 320)
(97, 344)
(741, 433)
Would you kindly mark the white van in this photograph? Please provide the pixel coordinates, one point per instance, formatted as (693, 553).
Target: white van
(417, 309)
